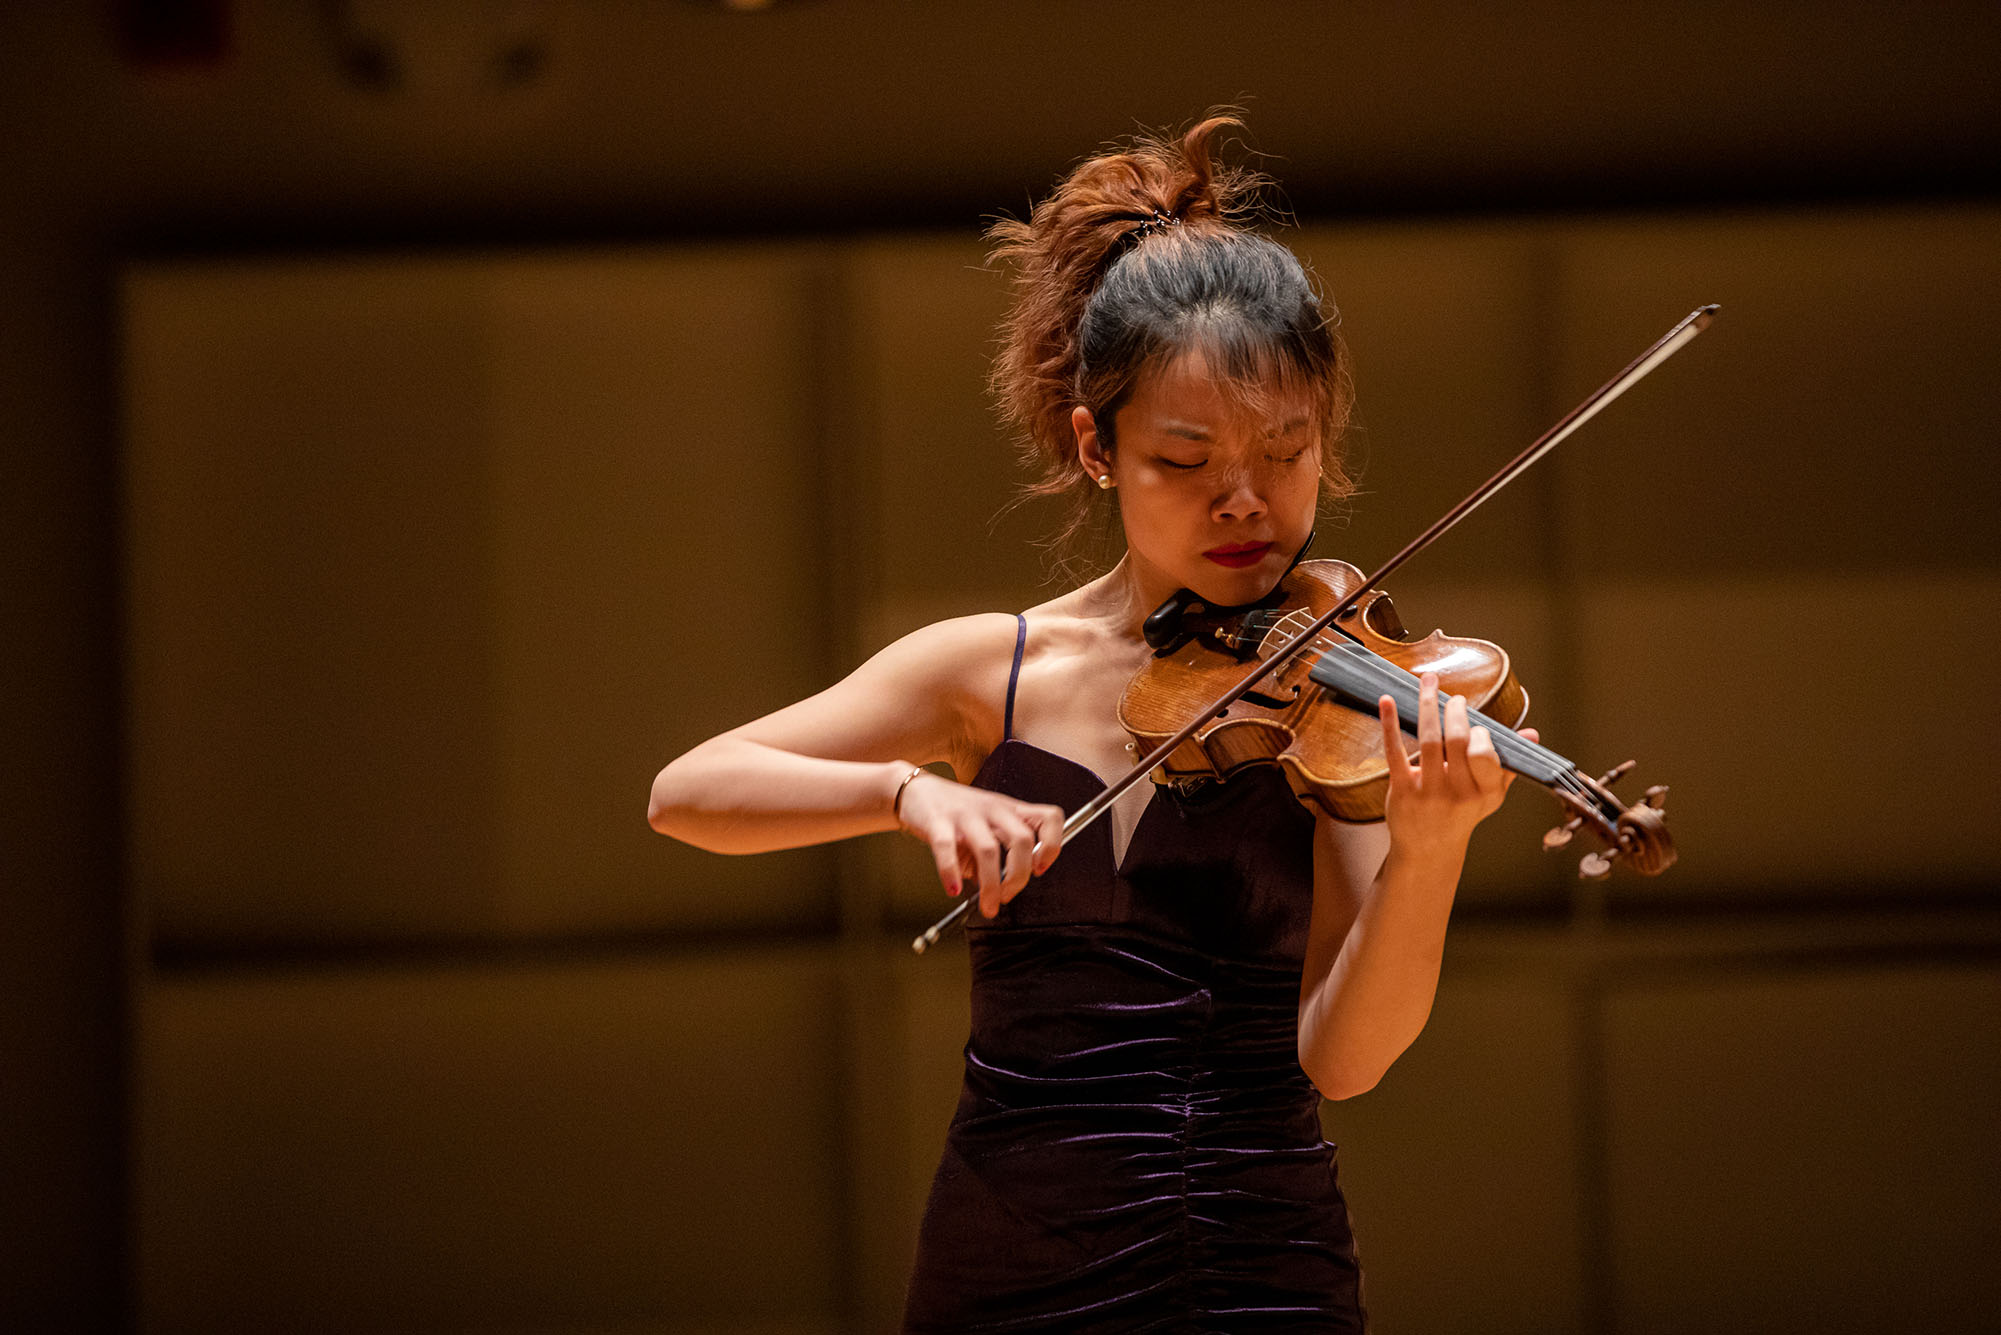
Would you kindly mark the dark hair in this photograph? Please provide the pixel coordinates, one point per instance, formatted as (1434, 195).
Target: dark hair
(1143, 253)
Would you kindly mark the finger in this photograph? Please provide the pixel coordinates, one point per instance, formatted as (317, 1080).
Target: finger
(1430, 747)
(1394, 755)
(986, 856)
(1019, 857)
(1457, 734)
(1047, 823)
(1483, 762)
(945, 851)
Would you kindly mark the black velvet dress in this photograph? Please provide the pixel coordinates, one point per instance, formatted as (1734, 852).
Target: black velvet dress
(1136, 1147)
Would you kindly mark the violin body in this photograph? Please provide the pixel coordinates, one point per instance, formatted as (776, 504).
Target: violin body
(1315, 714)
(1332, 753)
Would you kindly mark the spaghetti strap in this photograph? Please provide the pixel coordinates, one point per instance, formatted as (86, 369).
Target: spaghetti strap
(1014, 673)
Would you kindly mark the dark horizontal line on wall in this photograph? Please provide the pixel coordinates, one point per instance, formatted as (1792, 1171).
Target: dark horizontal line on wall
(177, 236)
(1621, 970)
(242, 954)
(1850, 923)
(1631, 903)
(1625, 903)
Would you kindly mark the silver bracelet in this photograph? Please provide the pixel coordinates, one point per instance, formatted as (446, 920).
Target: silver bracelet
(896, 803)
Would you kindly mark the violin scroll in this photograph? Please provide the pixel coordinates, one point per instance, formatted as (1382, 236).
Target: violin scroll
(1639, 833)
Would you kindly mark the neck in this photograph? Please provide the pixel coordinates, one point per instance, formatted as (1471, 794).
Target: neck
(1126, 595)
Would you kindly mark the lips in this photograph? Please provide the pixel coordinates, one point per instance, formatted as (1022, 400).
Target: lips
(1237, 555)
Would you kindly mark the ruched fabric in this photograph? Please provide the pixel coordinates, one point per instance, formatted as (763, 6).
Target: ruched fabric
(1135, 1146)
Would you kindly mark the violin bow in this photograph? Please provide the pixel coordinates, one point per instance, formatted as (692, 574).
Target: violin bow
(1666, 346)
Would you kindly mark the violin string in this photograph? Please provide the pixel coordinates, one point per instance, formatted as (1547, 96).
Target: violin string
(1561, 771)
(1516, 752)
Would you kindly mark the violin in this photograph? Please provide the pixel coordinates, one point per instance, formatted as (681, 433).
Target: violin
(1295, 667)
(1315, 715)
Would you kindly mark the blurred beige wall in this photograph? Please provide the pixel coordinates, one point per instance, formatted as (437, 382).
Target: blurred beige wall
(401, 1021)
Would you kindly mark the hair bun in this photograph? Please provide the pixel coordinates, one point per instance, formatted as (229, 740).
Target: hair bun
(1107, 205)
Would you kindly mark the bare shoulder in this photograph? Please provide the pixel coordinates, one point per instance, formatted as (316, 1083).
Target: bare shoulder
(1063, 628)
(949, 654)
(933, 695)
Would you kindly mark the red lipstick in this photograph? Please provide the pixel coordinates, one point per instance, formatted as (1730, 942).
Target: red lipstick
(1237, 555)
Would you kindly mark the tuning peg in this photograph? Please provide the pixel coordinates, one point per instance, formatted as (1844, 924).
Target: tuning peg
(1616, 773)
(1656, 796)
(1560, 835)
(1595, 866)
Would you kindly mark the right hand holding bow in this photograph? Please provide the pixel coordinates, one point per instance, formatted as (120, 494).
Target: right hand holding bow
(995, 841)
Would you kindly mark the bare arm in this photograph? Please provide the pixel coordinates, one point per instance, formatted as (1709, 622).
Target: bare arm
(732, 794)
(1382, 898)
(830, 766)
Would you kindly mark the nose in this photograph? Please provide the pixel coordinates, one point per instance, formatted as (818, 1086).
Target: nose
(1242, 498)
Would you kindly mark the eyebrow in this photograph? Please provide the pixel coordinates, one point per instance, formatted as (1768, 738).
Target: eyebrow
(1190, 432)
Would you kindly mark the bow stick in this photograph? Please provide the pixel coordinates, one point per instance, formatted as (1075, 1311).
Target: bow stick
(1663, 348)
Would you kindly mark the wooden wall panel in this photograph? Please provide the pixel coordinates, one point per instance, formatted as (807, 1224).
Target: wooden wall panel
(1804, 761)
(1805, 1151)
(1833, 418)
(657, 485)
(1462, 1167)
(615, 1145)
(310, 667)
(937, 469)
(432, 565)
(1744, 528)
(1447, 326)
(917, 1046)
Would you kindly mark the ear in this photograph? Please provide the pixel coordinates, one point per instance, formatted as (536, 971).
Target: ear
(1090, 446)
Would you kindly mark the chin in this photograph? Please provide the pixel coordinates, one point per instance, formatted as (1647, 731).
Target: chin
(1229, 588)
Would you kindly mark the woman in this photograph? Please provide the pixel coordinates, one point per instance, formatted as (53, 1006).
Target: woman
(1156, 1015)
